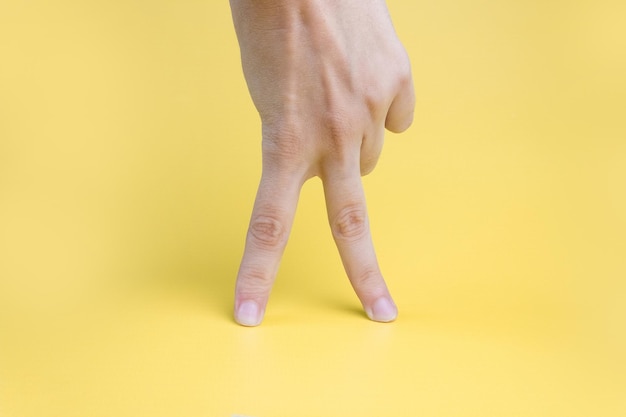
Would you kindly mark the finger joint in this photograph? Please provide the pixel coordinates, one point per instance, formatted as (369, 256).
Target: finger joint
(350, 223)
(267, 232)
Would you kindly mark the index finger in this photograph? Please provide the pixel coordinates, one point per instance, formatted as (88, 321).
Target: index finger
(268, 232)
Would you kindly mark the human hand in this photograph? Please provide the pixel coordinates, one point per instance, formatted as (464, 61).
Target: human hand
(327, 77)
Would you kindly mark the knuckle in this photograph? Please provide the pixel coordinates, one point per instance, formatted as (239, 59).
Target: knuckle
(403, 61)
(282, 143)
(267, 231)
(405, 79)
(255, 282)
(350, 223)
(402, 69)
(369, 280)
(342, 137)
(374, 98)
(339, 128)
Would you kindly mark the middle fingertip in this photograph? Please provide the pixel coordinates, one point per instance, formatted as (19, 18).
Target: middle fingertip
(249, 314)
(383, 310)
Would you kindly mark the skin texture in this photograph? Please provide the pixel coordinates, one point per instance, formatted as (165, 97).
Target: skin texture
(327, 77)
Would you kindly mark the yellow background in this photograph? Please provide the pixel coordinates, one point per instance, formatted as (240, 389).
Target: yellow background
(129, 158)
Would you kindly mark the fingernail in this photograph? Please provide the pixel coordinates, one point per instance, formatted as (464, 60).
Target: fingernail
(383, 310)
(248, 314)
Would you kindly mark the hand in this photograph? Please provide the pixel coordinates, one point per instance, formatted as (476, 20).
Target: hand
(327, 77)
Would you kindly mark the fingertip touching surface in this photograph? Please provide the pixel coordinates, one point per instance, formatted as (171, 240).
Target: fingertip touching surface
(248, 313)
(383, 310)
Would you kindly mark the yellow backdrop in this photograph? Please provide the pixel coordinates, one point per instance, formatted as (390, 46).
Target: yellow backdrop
(129, 159)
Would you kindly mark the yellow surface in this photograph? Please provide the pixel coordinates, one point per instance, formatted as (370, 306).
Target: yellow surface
(129, 158)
